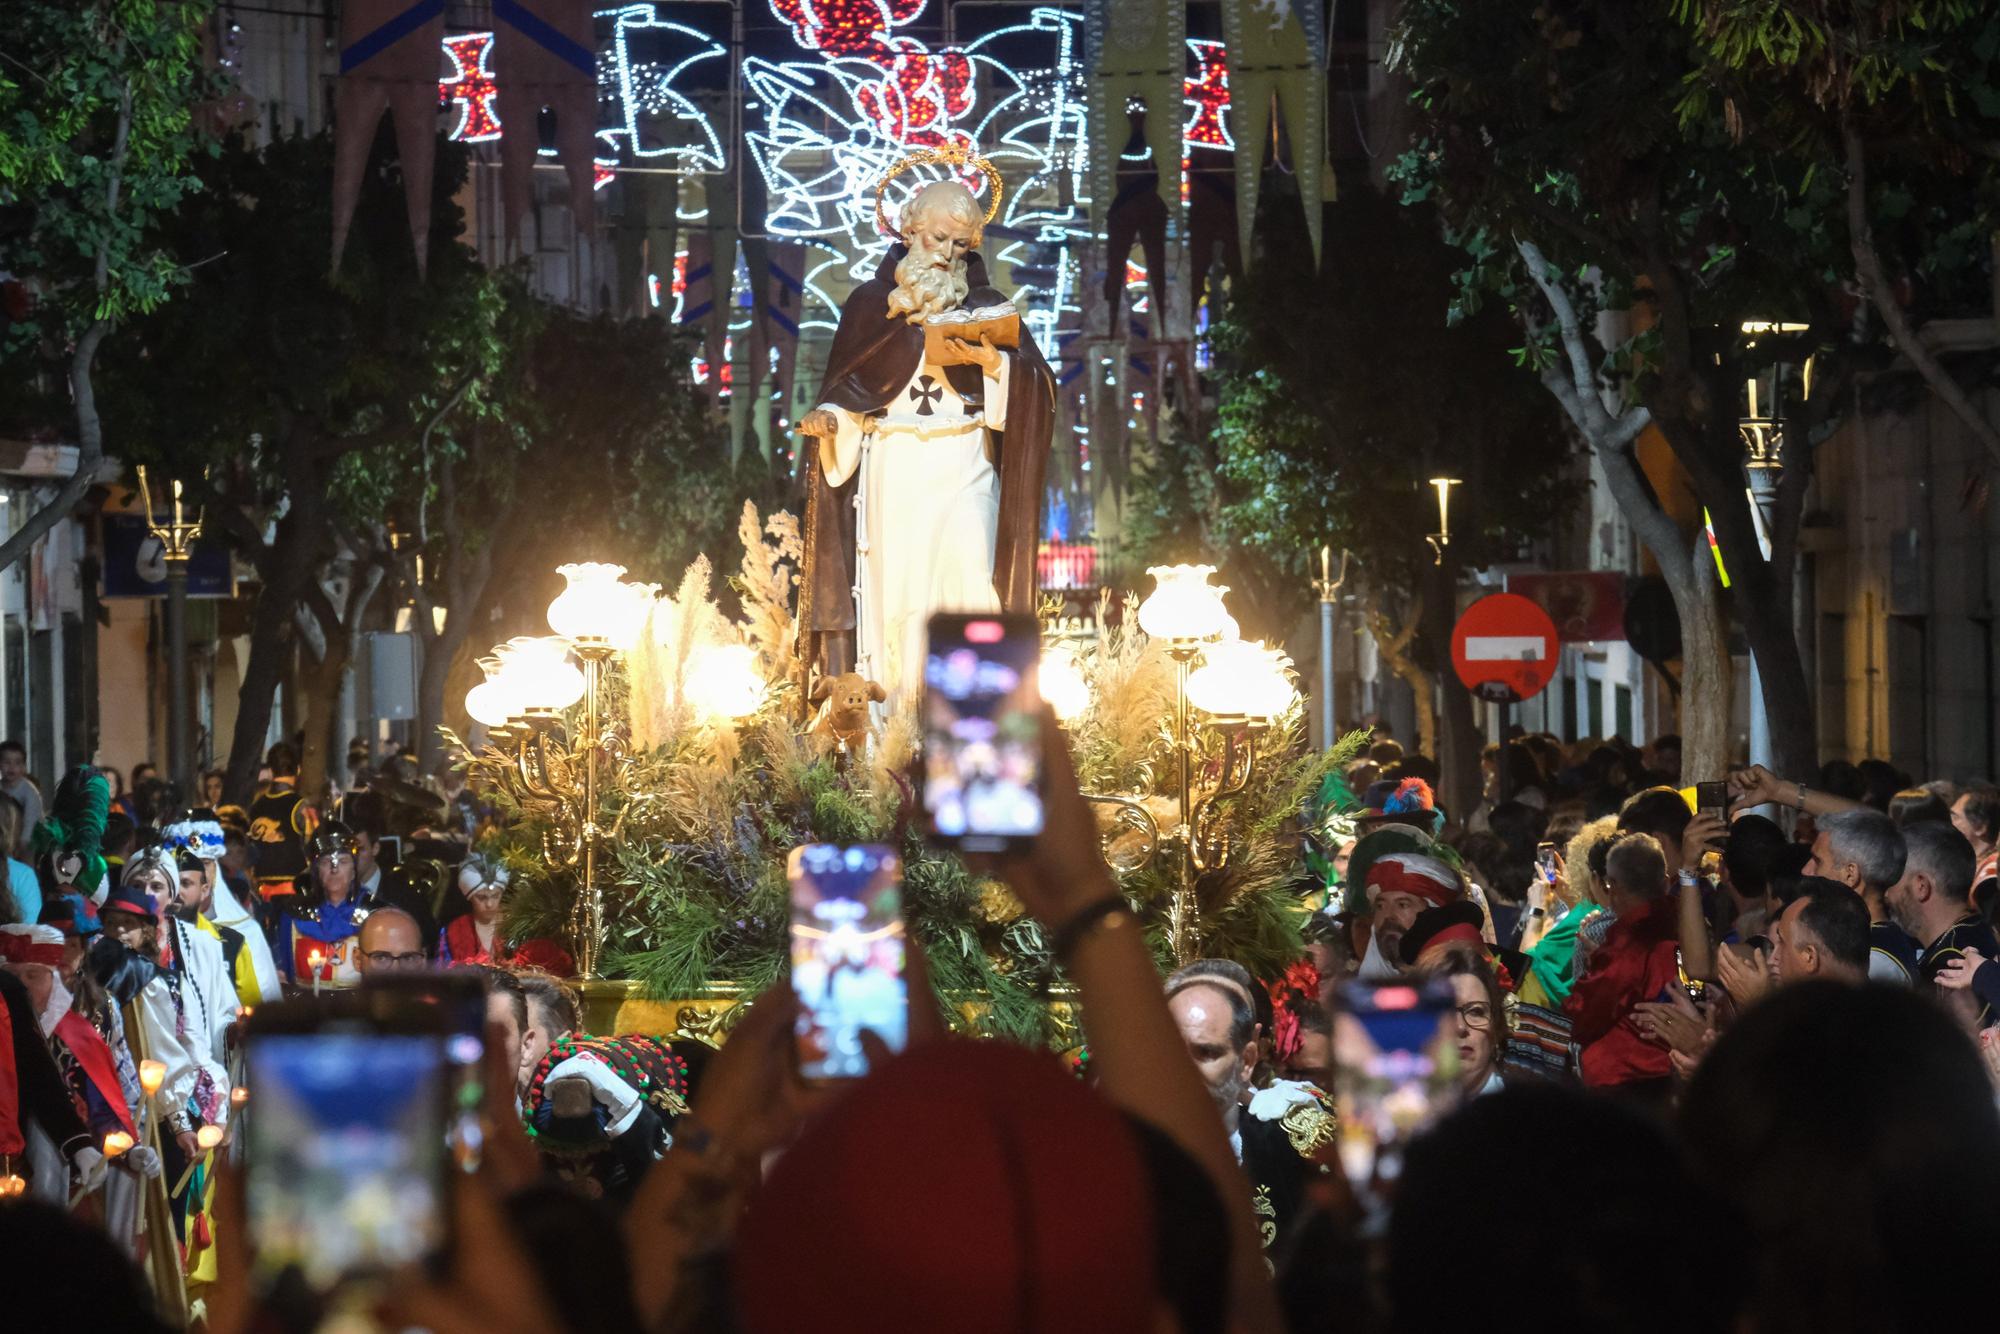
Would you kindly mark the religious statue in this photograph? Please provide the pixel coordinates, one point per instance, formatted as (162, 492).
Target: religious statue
(924, 475)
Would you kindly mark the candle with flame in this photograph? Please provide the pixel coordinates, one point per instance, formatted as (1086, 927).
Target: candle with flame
(12, 1185)
(116, 1143)
(208, 1137)
(313, 960)
(238, 1096)
(152, 1074)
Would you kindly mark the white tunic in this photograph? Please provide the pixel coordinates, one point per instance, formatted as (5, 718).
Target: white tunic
(927, 511)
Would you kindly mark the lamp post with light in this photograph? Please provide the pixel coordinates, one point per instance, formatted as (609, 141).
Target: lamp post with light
(176, 535)
(1240, 687)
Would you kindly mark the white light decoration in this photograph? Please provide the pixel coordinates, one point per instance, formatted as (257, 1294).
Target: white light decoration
(537, 672)
(1183, 606)
(598, 608)
(1062, 682)
(722, 682)
(1241, 678)
(489, 702)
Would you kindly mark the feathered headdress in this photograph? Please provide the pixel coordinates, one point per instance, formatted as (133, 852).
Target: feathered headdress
(74, 826)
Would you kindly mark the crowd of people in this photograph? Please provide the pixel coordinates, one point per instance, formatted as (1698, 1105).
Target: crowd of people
(1684, 1065)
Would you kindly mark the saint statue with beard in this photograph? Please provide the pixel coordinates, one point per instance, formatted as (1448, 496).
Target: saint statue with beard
(924, 485)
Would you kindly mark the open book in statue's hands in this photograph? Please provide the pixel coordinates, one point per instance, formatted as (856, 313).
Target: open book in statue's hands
(999, 324)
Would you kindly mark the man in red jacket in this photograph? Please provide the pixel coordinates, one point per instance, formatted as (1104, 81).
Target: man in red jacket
(1639, 961)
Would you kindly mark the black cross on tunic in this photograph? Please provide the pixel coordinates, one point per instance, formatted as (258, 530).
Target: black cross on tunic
(924, 392)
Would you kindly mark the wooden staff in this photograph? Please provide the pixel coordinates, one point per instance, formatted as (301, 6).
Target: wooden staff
(162, 1247)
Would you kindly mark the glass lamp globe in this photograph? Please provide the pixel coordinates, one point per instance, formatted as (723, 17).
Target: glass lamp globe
(722, 682)
(1241, 678)
(595, 607)
(539, 674)
(1183, 605)
(489, 702)
(1063, 684)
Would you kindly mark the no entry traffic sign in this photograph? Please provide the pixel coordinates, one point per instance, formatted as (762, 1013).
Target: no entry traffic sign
(1504, 648)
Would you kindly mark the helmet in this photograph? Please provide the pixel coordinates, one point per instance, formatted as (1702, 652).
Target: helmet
(309, 896)
(331, 838)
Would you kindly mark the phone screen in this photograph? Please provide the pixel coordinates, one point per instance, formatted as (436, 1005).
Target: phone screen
(1394, 1066)
(1712, 799)
(847, 955)
(982, 770)
(1545, 862)
(346, 1152)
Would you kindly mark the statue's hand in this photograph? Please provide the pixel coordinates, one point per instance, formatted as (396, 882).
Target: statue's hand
(821, 423)
(981, 354)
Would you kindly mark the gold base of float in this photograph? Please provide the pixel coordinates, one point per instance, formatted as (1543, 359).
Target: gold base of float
(613, 1007)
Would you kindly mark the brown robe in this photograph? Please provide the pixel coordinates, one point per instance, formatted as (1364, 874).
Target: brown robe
(871, 361)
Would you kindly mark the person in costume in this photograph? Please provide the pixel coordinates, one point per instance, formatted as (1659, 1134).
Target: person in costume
(218, 913)
(1395, 873)
(476, 936)
(280, 824)
(69, 842)
(36, 1112)
(34, 954)
(924, 487)
(602, 1109)
(316, 929)
(1284, 1132)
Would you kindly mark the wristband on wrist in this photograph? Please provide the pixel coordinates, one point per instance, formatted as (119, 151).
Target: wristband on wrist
(1800, 804)
(1108, 913)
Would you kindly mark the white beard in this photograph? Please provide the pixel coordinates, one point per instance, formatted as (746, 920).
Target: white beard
(924, 290)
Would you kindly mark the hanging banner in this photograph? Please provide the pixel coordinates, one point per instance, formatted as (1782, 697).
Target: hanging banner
(1134, 50)
(544, 56)
(1277, 54)
(388, 62)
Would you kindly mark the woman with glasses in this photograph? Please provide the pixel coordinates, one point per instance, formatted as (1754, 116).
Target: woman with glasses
(1478, 1025)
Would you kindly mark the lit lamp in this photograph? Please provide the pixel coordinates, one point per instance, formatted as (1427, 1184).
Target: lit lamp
(1242, 679)
(722, 682)
(537, 672)
(1442, 537)
(598, 611)
(1183, 611)
(1062, 682)
(490, 702)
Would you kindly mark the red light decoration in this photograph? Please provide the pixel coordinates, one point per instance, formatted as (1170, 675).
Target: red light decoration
(921, 91)
(471, 87)
(1208, 97)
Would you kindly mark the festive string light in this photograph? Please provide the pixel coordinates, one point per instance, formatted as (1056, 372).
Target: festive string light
(471, 87)
(1207, 125)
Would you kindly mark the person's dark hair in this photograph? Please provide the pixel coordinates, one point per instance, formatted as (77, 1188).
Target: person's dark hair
(364, 813)
(1233, 980)
(154, 800)
(553, 998)
(1518, 771)
(1842, 779)
(1362, 774)
(575, 1246)
(1417, 765)
(1881, 781)
(68, 1267)
(1641, 1232)
(1942, 853)
(1385, 750)
(1482, 852)
(1659, 811)
(1460, 959)
(1189, 1251)
(13, 747)
(120, 833)
(1566, 818)
(504, 982)
(1635, 864)
(1982, 808)
(283, 760)
(1870, 840)
(1518, 825)
(1838, 919)
(1754, 853)
(1916, 803)
(1855, 1129)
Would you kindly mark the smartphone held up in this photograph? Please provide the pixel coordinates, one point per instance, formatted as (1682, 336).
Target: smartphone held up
(981, 771)
(847, 953)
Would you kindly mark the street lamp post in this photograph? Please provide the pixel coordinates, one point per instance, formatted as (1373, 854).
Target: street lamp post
(1328, 589)
(176, 536)
(1762, 430)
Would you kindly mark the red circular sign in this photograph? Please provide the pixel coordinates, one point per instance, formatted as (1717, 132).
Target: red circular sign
(1505, 648)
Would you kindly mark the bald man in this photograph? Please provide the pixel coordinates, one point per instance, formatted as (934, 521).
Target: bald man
(390, 942)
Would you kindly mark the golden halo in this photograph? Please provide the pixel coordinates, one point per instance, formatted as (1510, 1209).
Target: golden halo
(952, 156)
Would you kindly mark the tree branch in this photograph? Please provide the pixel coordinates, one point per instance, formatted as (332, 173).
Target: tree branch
(1875, 282)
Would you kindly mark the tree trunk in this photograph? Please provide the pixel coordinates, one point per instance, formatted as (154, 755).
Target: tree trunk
(321, 683)
(1394, 645)
(1707, 674)
(284, 566)
(1459, 740)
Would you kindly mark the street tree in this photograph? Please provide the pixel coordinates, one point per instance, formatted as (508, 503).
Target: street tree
(98, 146)
(1639, 243)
